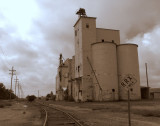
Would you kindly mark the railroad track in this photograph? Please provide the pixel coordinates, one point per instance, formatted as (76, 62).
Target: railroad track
(56, 117)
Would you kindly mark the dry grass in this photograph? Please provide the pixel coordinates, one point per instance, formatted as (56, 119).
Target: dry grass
(4, 103)
(144, 112)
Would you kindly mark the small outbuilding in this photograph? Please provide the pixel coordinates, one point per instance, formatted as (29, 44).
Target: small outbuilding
(155, 93)
(145, 92)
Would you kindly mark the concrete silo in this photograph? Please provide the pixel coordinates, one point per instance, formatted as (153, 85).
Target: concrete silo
(104, 62)
(128, 65)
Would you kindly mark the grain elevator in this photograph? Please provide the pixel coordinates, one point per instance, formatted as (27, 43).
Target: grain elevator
(101, 63)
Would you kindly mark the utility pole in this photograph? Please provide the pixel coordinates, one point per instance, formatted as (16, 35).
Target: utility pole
(21, 92)
(38, 93)
(18, 90)
(16, 80)
(12, 73)
(129, 109)
(147, 75)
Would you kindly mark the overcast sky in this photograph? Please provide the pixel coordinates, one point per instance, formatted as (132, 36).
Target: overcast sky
(34, 32)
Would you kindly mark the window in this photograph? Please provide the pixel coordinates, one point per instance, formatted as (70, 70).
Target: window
(75, 32)
(60, 76)
(87, 25)
(102, 40)
(78, 68)
(113, 90)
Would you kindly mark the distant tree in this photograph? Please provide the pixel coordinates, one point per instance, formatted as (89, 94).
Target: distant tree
(5, 93)
(2, 91)
(31, 98)
(53, 97)
(50, 96)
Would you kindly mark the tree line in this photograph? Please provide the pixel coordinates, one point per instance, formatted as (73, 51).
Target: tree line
(5, 93)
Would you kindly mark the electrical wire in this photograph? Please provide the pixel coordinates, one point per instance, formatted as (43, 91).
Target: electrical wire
(5, 55)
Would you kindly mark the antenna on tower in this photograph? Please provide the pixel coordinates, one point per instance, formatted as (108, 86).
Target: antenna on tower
(81, 12)
(60, 59)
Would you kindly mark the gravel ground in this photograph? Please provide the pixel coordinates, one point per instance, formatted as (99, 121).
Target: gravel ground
(143, 113)
(20, 114)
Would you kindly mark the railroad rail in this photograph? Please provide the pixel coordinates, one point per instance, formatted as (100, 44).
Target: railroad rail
(51, 115)
(46, 117)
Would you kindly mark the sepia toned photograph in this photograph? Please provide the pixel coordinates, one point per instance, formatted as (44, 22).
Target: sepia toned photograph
(79, 63)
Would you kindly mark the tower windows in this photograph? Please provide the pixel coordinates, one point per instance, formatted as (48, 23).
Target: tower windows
(87, 25)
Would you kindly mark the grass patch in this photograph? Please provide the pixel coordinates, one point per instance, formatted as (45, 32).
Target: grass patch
(2, 105)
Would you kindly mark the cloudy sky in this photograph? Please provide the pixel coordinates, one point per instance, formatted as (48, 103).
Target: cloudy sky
(34, 32)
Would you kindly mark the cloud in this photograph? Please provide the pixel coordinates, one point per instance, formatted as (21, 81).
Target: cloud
(149, 53)
(134, 19)
(35, 56)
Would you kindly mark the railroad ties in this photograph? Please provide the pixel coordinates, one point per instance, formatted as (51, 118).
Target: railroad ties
(57, 117)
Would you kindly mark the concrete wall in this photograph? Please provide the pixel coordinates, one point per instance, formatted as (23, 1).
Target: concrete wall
(71, 91)
(86, 35)
(104, 60)
(107, 35)
(128, 65)
(63, 77)
(78, 49)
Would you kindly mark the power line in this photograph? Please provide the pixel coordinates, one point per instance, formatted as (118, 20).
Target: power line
(4, 63)
(5, 55)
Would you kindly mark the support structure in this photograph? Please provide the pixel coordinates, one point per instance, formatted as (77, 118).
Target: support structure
(147, 75)
(16, 80)
(12, 73)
